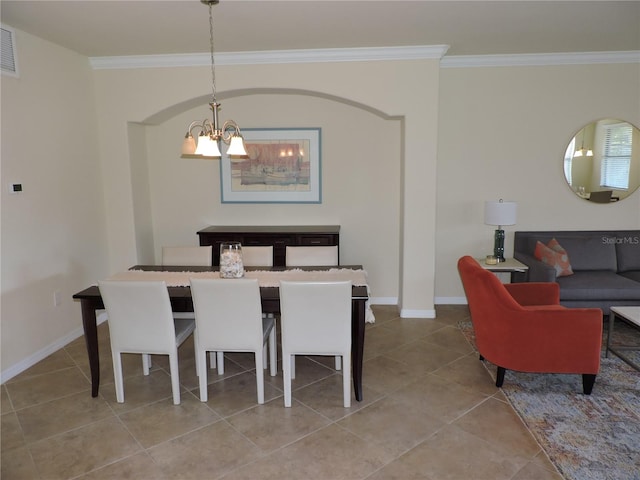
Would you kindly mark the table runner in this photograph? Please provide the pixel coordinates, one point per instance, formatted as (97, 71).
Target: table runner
(265, 278)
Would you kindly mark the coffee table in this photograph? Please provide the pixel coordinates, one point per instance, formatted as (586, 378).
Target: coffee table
(630, 315)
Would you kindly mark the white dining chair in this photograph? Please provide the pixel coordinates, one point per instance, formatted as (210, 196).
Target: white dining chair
(315, 319)
(229, 319)
(252, 256)
(260, 256)
(187, 256)
(311, 256)
(141, 321)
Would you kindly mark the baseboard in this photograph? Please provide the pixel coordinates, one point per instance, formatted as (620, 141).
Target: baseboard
(43, 353)
(451, 300)
(383, 301)
(406, 313)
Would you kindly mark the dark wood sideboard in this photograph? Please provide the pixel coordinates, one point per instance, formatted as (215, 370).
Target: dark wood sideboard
(279, 237)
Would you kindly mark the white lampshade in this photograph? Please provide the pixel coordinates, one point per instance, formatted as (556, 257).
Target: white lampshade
(188, 145)
(207, 147)
(236, 147)
(500, 213)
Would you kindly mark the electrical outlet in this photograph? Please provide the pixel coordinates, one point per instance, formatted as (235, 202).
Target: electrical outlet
(15, 188)
(57, 298)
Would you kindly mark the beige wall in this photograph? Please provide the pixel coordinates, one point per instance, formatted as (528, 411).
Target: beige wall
(376, 218)
(53, 234)
(503, 134)
(360, 181)
(108, 189)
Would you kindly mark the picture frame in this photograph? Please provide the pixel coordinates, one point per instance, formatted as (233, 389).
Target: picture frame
(283, 166)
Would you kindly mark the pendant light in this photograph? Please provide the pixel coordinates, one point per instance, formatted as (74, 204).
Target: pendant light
(210, 134)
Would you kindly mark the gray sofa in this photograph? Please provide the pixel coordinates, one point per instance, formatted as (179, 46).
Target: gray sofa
(606, 266)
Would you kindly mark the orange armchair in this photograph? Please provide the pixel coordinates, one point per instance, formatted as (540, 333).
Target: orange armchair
(522, 326)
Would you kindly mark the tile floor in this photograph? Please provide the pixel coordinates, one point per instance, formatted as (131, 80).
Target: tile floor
(430, 411)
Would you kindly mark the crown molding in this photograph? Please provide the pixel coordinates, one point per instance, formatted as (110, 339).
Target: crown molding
(418, 52)
(535, 59)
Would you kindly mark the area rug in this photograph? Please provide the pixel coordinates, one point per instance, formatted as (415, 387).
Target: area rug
(587, 437)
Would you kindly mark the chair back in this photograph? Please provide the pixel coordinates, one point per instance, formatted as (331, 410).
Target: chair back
(601, 196)
(187, 256)
(228, 314)
(488, 300)
(316, 317)
(140, 317)
(257, 256)
(311, 256)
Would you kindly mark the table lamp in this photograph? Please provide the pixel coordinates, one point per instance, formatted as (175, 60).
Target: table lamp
(499, 213)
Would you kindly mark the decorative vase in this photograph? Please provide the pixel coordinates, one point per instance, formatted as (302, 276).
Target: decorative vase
(231, 265)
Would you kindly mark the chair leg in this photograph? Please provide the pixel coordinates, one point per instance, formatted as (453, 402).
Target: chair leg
(260, 375)
(273, 353)
(175, 377)
(220, 358)
(212, 359)
(201, 358)
(286, 375)
(500, 376)
(117, 376)
(293, 366)
(146, 363)
(481, 358)
(588, 381)
(346, 381)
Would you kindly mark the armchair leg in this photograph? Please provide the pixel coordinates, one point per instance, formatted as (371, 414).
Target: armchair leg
(481, 358)
(500, 376)
(588, 380)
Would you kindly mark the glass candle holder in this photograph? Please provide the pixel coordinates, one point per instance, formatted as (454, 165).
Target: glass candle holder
(231, 265)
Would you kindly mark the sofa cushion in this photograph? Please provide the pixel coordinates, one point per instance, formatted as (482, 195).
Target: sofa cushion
(628, 253)
(600, 284)
(554, 255)
(633, 275)
(591, 253)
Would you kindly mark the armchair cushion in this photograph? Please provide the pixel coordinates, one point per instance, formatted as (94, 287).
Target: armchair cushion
(534, 293)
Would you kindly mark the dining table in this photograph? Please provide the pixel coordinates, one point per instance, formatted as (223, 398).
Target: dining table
(181, 301)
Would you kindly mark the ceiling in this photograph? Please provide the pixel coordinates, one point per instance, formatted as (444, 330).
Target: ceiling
(117, 27)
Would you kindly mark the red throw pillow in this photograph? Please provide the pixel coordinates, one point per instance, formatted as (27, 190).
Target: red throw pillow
(553, 254)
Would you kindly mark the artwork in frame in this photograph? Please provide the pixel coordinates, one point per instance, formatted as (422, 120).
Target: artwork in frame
(283, 166)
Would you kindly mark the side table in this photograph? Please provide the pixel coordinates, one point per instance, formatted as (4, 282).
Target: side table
(518, 270)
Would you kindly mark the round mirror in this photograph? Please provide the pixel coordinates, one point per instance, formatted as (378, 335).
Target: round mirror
(602, 161)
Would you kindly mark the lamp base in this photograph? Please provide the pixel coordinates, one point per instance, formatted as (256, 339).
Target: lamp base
(498, 245)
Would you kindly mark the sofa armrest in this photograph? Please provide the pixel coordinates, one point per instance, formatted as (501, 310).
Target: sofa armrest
(538, 271)
(534, 293)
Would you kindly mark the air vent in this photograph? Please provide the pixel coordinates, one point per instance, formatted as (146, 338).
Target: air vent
(9, 64)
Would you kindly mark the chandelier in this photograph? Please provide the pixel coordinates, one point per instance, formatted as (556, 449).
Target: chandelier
(583, 152)
(209, 132)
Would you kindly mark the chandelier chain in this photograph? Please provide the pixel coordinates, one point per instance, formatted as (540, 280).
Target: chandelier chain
(213, 71)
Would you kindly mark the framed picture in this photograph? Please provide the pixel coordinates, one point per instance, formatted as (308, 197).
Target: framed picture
(283, 166)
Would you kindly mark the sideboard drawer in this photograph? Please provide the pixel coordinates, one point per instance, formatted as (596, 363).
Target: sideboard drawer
(316, 240)
(261, 240)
